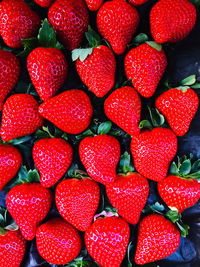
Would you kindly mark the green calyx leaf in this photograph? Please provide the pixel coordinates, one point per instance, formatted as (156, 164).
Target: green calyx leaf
(140, 39)
(125, 165)
(86, 133)
(185, 167)
(155, 45)
(189, 80)
(156, 117)
(155, 208)
(104, 127)
(47, 133)
(81, 53)
(6, 222)
(29, 45)
(145, 124)
(183, 88)
(93, 38)
(20, 140)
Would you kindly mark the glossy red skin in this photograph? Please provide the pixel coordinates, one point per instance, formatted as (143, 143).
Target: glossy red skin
(20, 117)
(94, 5)
(17, 22)
(52, 157)
(12, 249)
(123, 107)
(70, 20)
(128, 194)
(57, 241)
(9, 74)
(100, 156)
(117, 22)
(48, 70)
(70, 111)
(106, 241)
(171, 21)
(77, 201)
(157, 239)
(10, 161)
(28, 204)
(137, 2)
(97, 71)
(153, 151)
(44, 3)
(179, 192)
(145, 66)
(179, 108)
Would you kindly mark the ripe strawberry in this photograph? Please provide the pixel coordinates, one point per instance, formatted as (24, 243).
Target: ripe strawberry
(70, 20)
(128, 194)
(100, 155)
(145, 65)
(94, 5)
(70, 111)
(123, 107)
(179, 107)
(28, 204)
(171, 21)
(77, 201)
(10, 161)
(97, 71)
(17, 22)
(52, 157)
(107, 239)
(48, 70)
(117, 22)
(157, 239)
(12, 249)
(44, 3)
(9, 74)
(153, 151)
(179, 192)
(137, 2)
(57, 241)
(20, 117)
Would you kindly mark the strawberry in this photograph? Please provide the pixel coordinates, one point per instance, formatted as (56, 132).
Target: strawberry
(57, 241)
(77, 201)
(97, 71)
(179, 107)
(70, 20)
(100, 155)
(137, 2)
(12, 249)
(52, 157)
(94, 5)
(17, 22)
(157, 239)
(28, 204)
(20, 117)
(117, 22)
(123, 107)
(9, 74)
(145, 66)
(153, 151)
(70, 111)
(107, 239)
(44, 3)
(10, 161)
(48, 70)
(128, 194)
(171, 21)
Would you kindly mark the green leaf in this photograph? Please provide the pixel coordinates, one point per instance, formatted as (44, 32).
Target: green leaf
(86, 133)
(156, 117)
(81, 53)
(145, 124)
(155, 45)
(125, 165)
(189, 80)
(20, 140)
(12, 227)
(104, 127)
(173, 215)
(185, 167)
(72, 170)
(195, 166)
(29, 45)
(140, 38)
(41, 134)
(93, 38)
(183, 228)
(183, 88)
(195, 175)
(158, 207)
(173, 169)
(2, 220)
(33, 176)
(195, 86)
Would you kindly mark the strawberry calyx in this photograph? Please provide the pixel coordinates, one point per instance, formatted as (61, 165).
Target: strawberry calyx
(75, 172)
(54, 132)
(154, 45)
(107, 212)
(157, 120)
(125, 165)
(80, 261)
(143, 38)
(186, 83)
(6, 222)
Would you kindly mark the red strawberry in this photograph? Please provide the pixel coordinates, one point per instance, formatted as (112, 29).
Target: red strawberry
(153, 151)
(179, 107)
(44, 3)
(12, 249)
(137, 2)
(97, 71)
(57, 241)
(179, 192)
(117, 22)
(70, 111)
(171, 21)
(107, 239)
(123, 107)
(10, 161)
(77, 201)
(100, 155)
(128, 194)
(17, 22)
(48, 70)
(94, 5)
(20, 117)
(28, 204)
(9, 74)
(70, 20)
(145, 65)
(157, 239)
(52, 157)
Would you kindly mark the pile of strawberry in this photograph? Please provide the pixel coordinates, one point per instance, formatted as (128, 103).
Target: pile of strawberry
(56, 152)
